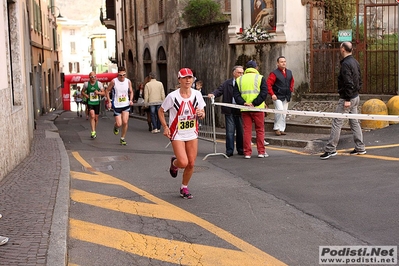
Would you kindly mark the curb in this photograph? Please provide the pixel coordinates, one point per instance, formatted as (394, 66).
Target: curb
(57, 250)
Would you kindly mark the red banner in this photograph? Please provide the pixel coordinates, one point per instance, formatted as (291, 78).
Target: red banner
(80, 78)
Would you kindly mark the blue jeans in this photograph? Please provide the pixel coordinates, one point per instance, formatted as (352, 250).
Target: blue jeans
(156, 124)
(234, 125)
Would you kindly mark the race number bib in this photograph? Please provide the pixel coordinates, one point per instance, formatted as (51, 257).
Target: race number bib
(187, 122)
(93, 97)
(122, 98)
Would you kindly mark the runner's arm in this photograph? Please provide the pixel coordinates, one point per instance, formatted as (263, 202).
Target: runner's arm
(84, 91)
(161, 116)
(131, 93)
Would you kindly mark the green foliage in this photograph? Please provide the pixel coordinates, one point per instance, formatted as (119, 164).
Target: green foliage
(201, 12)
(339, 15)
(360, 29)
(381, 61)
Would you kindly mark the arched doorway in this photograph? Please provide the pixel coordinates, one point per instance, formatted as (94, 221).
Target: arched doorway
(147, 62)
(162, 68)
(130, 68)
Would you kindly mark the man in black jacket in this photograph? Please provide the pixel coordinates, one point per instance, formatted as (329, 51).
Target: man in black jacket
(349, 85)
(232, 116)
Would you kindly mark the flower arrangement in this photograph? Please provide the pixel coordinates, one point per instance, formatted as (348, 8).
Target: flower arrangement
(254, 33)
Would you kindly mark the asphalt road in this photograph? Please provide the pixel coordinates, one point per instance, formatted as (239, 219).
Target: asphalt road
(125, 208)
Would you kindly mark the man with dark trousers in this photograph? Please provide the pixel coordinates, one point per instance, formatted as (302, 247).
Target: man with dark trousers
(232, 116)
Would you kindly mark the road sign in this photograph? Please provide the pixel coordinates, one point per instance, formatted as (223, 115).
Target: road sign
(345, 35)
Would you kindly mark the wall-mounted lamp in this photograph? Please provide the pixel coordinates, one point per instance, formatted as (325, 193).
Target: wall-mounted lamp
(59, 12)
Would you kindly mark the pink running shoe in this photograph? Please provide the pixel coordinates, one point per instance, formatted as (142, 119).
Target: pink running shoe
(185, 193)
(173, 169)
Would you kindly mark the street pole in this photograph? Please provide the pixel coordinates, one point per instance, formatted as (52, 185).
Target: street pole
(397, 30)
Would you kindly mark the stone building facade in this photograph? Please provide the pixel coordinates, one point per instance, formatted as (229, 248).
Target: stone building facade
(29, 73)
(16, 106)
(153, 40)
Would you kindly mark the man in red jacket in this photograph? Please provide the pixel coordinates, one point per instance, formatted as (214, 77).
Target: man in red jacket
(280, 85)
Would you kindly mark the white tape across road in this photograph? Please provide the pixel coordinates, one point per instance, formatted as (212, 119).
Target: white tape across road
(316, 114)
(148, 104)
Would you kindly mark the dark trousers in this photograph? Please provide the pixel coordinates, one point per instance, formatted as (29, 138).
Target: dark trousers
(234, 126)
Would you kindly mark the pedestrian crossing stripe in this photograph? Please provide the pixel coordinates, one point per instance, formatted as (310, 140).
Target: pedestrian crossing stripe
(154, 247)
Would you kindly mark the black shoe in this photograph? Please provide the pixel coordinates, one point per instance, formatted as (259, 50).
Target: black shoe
(240, 153)
(355, 152)
(327, 155)
(229, 154)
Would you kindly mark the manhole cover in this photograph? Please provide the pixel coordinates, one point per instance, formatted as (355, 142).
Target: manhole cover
(200, 168)
(99, 168)
(110, 159)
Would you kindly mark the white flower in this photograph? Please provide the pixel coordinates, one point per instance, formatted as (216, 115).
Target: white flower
(254, 33)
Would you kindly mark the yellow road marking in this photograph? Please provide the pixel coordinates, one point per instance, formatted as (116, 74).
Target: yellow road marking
(370, 156)
(248, 252)
(383, 146)
(288, 150)
(345, 152)
(127, 206)
(162, 249)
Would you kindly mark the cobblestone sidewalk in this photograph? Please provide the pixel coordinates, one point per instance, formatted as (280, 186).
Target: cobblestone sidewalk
(31, 199)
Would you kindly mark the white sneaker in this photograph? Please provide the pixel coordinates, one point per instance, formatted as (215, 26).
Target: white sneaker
(154, 131)
(247, 156)
(3, 240)
(265, 155)
(265, 143)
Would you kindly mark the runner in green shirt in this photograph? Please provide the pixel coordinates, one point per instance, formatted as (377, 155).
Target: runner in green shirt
(92, 90)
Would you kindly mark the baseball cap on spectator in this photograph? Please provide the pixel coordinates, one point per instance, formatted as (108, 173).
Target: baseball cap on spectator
(185, 72)
(252, 64)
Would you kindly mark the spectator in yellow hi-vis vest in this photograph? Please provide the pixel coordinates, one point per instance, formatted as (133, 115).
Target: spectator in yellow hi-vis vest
(251, 90)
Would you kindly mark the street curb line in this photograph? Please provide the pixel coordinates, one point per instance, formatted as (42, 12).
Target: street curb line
(57, 251)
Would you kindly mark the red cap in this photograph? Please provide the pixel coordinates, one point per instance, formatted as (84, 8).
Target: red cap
(185, 72)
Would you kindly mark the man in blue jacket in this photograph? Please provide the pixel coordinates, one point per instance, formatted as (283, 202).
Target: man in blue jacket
(232, 116)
